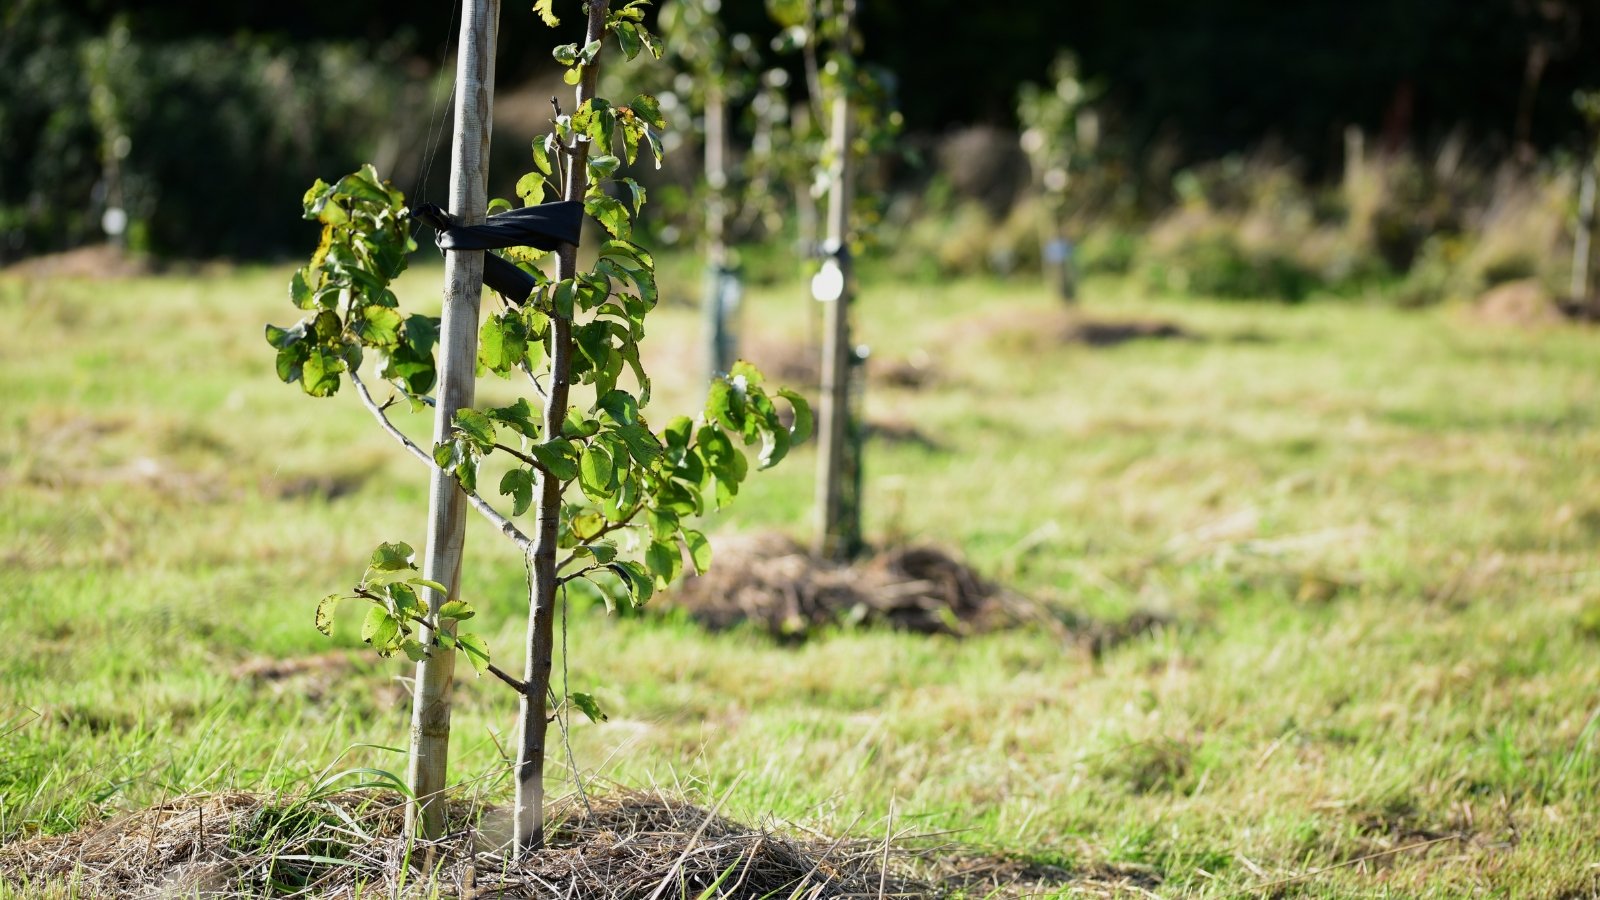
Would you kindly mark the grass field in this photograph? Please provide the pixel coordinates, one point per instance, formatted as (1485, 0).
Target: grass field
(1371, 535)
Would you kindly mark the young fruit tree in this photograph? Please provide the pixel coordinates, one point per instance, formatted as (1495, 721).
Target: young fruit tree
(713, 73)
(1059, 128)
(1588, 106)
(611, 498)
(855, 130)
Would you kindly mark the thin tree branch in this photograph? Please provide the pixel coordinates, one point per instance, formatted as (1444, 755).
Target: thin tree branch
(516, 684)
(605, 529)
(495, 517)
(379, 413)
(562, 581)
(523, 456)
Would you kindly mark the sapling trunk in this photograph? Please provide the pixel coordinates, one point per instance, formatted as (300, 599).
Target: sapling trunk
(458, 340)
(528, 829)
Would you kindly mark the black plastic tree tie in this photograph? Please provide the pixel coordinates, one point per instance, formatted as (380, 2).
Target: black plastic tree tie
(545, 227)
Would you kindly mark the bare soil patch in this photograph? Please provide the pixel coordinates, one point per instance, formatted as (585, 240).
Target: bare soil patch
(95, 262)
(1045, 331)
(1526, 303)
(618, 847)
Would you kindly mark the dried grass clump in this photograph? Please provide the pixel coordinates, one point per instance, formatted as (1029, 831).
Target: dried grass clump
(770, 581)
(620, 847)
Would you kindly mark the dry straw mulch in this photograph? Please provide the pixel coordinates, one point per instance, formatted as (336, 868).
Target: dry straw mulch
(619, 847)
(772, 582)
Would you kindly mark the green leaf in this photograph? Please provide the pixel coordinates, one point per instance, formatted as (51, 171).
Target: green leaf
(663, 524)
(530, 187)
(559, 457)
(518, 483)
(388, 556)
(647, 108)
(664, 560)
(631, 132)
(621, 406)
(518, 417)
(548, 16)
(589, 706)
(636, 578)
(602, 551)
(405, 599)
(414, 649)
(775, 443)
(602, 165)
(477, 651)
(578, 425)
(628, 39)
(300, 290)
(499, 205)
(699, 550)
(587, 525)
(631, 255)
(325, 608)
(641, 443)
(380, 629)
(380, 326)
(319, 374)
(430, 585)
(675, 437)
(541, 155)
(655, 145)
(725, 403)
(747, 370)
(638, 194)
(503, 343)
(284, 338)
(802, 415)
(456, 609)
(476, 427)
(611, 215)
(563, 297)
(596, 473)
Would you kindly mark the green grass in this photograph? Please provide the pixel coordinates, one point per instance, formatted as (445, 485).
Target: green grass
(1372, 533)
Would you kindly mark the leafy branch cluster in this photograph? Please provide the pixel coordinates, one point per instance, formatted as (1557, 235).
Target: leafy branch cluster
(626, 491)
(830, 47)
(366, 244)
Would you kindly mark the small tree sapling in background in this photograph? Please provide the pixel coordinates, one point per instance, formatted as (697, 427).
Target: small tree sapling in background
(611, 496)
(1059, 129)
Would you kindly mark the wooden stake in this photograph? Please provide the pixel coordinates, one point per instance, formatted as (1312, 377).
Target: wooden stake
(458, 351)
(718, 338)
(528, 827)
(838, 519)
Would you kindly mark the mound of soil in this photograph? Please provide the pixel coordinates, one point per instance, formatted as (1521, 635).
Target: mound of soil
(1110, 333)
(769, 580)
(618, 847)
(1519, 304)
(1045, 331)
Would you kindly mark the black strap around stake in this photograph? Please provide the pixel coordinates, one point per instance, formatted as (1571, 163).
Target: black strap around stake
(545, 227)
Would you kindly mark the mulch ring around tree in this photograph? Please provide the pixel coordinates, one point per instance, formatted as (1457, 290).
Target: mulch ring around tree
(769, 581)
(617, 847)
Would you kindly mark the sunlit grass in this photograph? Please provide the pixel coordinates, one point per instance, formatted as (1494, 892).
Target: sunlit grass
(1372, 534)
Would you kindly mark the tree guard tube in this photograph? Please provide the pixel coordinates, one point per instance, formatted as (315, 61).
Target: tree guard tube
(544, 227)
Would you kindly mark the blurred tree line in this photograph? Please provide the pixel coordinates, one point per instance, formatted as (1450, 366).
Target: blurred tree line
(205, 121)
